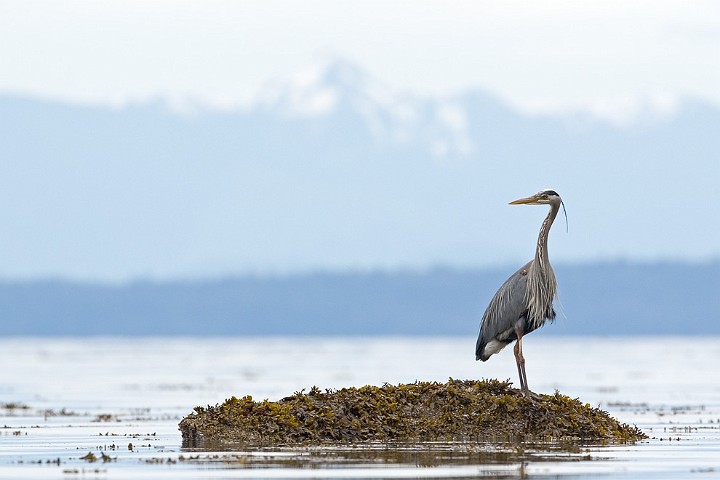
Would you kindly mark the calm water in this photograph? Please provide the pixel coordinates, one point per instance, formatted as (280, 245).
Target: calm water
(121, 399)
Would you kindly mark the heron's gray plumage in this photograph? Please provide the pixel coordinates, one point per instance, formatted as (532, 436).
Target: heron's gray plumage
(507, 306)
(525, 301)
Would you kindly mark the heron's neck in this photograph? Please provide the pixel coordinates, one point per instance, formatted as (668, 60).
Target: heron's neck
(541, 252)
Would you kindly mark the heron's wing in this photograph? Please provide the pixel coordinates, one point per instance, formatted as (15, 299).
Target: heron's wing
(506, 307)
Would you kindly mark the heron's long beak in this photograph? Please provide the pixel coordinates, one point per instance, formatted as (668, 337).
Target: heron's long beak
(525, 201)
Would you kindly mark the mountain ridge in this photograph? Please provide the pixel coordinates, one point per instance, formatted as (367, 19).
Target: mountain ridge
(112, 194)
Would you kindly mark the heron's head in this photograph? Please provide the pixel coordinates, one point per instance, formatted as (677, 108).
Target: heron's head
(544, 197)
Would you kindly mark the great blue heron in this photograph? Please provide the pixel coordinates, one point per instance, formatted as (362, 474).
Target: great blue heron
(525, 301)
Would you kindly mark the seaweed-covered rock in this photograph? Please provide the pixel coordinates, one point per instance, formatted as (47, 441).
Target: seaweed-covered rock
(471, 410)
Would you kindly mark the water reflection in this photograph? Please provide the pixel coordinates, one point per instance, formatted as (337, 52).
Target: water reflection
(428, 455)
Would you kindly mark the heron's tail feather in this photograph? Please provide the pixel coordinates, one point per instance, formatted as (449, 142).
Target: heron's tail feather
(484, 350)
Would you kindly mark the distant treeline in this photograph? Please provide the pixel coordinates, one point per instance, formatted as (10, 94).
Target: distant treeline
(595, 299)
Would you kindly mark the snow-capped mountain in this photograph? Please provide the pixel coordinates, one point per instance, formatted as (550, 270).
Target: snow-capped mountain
(332, 170)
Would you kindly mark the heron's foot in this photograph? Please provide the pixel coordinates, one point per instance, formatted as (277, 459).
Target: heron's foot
(531, 395)
(534, 396)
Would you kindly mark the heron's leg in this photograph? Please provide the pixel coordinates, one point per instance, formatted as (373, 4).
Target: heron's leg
(517, 360)
(520, 359)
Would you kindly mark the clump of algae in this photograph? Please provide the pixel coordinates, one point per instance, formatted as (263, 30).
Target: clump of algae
(457, 411)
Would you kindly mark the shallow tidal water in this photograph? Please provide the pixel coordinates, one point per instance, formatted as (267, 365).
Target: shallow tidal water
(109, 407)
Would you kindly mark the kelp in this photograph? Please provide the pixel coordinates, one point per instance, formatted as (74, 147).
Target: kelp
(488, 411)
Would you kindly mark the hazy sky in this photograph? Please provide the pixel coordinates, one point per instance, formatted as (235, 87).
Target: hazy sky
(614, 57)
